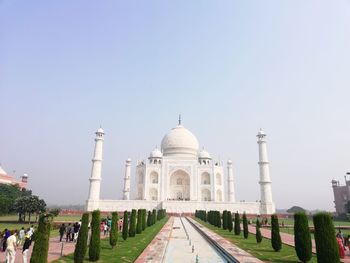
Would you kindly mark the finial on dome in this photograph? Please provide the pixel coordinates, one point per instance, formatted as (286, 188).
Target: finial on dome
(179, 119)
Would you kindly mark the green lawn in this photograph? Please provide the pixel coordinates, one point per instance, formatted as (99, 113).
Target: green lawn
(262, 251)
(126, 250)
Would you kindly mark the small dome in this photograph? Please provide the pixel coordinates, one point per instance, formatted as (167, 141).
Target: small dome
(156, 153)
(100, 130)
(128, 160)
(179, 140)
(261, 133)
(203, 154)
(229, 162)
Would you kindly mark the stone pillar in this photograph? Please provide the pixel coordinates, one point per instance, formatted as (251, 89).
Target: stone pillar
(231, 189)
(267, 206)
(95, 179)
(126, 191)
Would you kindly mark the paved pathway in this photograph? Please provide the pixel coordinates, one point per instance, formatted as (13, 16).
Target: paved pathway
(288, 239)
(154, 252)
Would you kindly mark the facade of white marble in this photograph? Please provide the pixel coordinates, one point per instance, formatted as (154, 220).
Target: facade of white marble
(180, 177)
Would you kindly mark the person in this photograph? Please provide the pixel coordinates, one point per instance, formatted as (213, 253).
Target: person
(76, 231)
(105, 229)
(341, 247)
(26, 245)
(69, 229)
(340, 235)
(21, 235)
(11, 244)
(72, 233)
(62, 230)
(5, 236)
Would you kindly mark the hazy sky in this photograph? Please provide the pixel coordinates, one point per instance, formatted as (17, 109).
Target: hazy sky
(229, 67)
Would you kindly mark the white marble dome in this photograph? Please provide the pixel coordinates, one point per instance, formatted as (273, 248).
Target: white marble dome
(179, 140)
(156, 153)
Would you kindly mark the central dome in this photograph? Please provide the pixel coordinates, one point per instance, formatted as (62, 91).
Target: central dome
(180, 141)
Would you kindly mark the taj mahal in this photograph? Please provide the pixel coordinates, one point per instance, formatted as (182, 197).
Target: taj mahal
(180, 178)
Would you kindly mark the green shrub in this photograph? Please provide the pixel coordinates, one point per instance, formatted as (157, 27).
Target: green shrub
(327, 250)
(302, 237)
(245, 226)
(237, 224)
(132, 228)
(229, 221)
(139, 222)
(224, 219)
(149, 218)
(276, 241)
(41, 244)
(154, 214)
(95, 240)
(144, 222)
(125, 225)
(258, 235)
(113, 236)
(81, 246)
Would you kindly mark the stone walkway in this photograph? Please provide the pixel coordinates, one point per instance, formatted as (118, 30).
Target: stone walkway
(154, 252)
(239, 254)
(288, 239)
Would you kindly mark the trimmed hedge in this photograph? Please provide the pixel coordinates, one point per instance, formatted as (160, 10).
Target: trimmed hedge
(229, 221)
(245, 226)
(139, 222)
(149, 218)
(113, 236)
(125, 225)
(81, 246)
(42, 236)
(95, 240)
(276, 241)
(237, 224)
(258, 235)
(144, 222)
(302, 237)
(224, 219)
(132, 228)
(327, 250)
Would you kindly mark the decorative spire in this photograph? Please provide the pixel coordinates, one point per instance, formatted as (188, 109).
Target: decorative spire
(179, 119)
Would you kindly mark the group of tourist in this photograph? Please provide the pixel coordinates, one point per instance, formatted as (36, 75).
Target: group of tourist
(11, 240)
(71, 231)
(342, 243)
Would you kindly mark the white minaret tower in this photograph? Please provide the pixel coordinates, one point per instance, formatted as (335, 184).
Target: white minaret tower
(231, 189)
(126, 191)
(267, 206)
(95, 179)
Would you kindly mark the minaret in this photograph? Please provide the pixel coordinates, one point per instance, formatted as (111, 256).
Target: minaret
(267, 206)
(231, 189)
(95, 179)
(126, 191)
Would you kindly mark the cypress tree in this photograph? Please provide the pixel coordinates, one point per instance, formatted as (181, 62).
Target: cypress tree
(113, 236)
(41, 244)
(95, 240)
(149, 218)
(144, 222)
(258, 235)
(245, 226)
(139, 222)
(81, 246)
(327, 250)
(302, 237)
(229, 221)
(237, 224)
(125, 225)
(154, 212)
(218, 216)
(132, 230)
(224, 219)
(276, 241)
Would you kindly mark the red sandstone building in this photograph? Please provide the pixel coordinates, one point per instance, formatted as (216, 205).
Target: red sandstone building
(10, 179)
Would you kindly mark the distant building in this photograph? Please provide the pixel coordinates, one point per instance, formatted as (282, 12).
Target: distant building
(341, 195)
(10, 179)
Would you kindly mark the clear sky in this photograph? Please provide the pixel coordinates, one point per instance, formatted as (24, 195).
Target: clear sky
(229, 67)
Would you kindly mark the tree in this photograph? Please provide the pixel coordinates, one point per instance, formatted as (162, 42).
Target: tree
(8, 195)
(113, 236)
(81, 246)
(125, 225)
(245, 226)
(275, 234)
(139, 222)
(229, 221)
(237, 224)
(132, 230)
(149, 218)
(42, 236)
(224, 219)
(95, 241)
(296, 209)
(327, 250)
(144, 220)
(154, 212)
(258, 235)
(302, 237)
